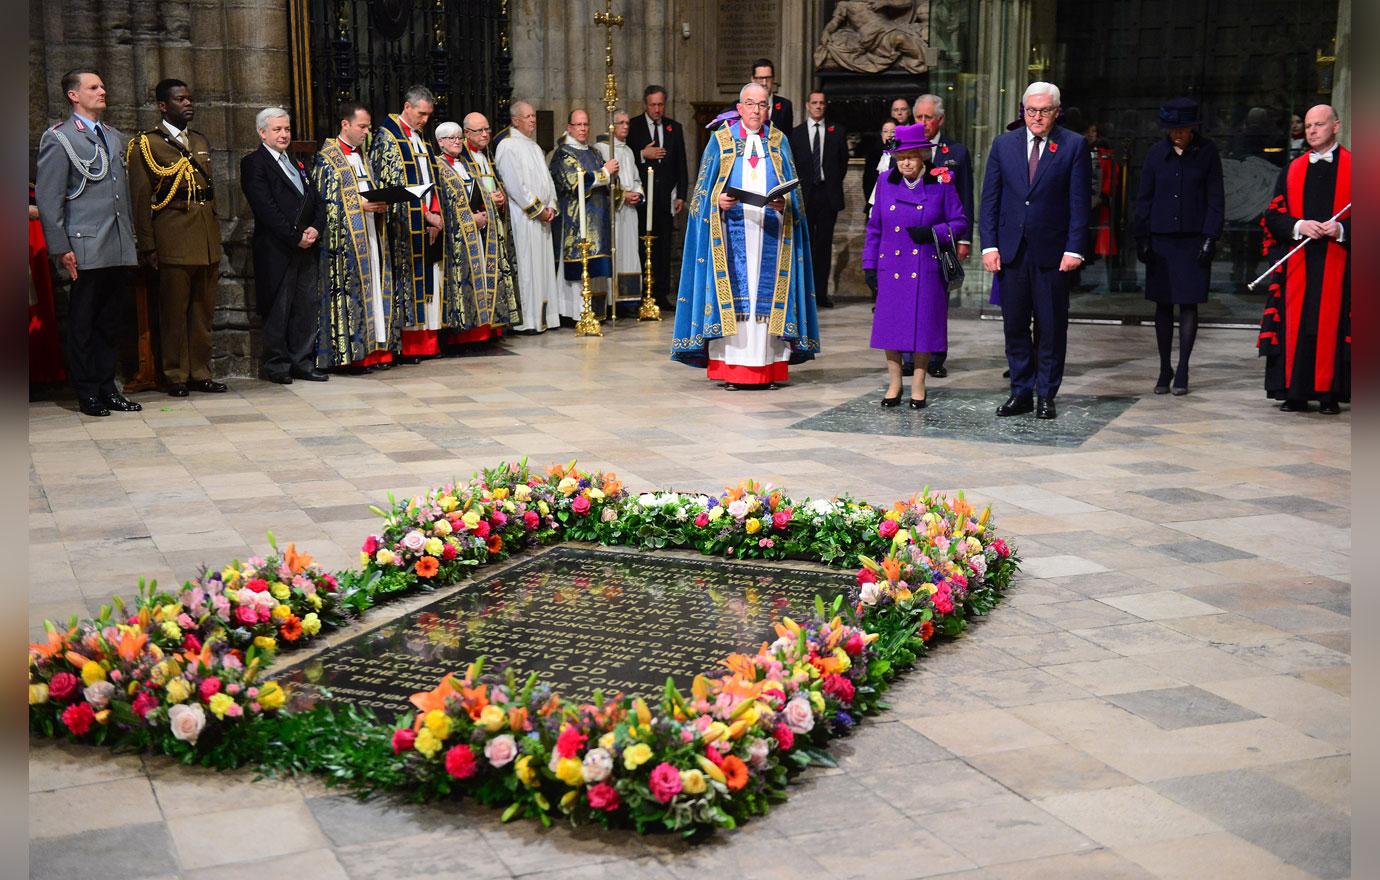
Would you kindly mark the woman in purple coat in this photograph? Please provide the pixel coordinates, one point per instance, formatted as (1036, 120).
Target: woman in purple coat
(914, 203)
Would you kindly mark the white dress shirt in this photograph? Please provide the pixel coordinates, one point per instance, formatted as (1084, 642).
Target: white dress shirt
(1328, 155)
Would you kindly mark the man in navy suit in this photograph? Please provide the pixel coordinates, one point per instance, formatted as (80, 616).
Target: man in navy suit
(289, 220)
(1034, 229)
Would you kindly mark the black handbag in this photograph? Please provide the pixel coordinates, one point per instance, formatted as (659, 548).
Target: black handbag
(950, 267)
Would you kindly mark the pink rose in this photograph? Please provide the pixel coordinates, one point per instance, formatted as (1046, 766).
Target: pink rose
(257, 585)
(604, 797)
(414, 540)
(888, 528)
(839, 688)
(143, 703)
(62, 686)
(403, 740)
(580, 505)
(371, 545)
(191, 643)
(798, 715)
(99, 694)
(481, 529)
(531, 520)
(501, 750)
(866, 576)
(449, 552)
(187, 721)
(854, 645)
(785, 739)
(210, 686)
(781, 519)
(247, 615)
(943, 600)
(1000, 546)
(758, 749)
(460, 762)
(665, 782)
(701, 520)
(500, 518)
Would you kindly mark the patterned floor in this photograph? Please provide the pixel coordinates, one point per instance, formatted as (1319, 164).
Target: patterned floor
(1166, 694)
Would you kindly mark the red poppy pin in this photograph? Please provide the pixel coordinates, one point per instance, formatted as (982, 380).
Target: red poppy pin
(830, 129)
(1053, 147)
(301, 167)
(942, 174)
(670, 128)
(778, 105)
(944, 148)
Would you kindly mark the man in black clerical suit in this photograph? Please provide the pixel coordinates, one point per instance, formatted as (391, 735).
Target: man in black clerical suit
(780, 113)
(289, 220)
(659, 145)
(820, 150)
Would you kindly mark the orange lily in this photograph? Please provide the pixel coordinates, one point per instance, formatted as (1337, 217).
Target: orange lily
(891, 568)
(426, 701)
(475, 699)
(296, 562)
(57, 643)
(131, 644)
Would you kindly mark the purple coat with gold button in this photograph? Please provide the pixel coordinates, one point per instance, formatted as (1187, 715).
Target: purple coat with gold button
(912, 304)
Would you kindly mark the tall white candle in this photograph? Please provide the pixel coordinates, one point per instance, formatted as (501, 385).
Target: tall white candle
(584, 231)
(651, 184)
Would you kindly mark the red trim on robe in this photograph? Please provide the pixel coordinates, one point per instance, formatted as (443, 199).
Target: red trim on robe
(474, 334)
(419, 343)
(1296, 277)
(739, 374)
(377, 356)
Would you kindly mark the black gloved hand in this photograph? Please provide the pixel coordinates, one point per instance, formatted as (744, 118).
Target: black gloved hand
(921, 234)
(1143, 252)
(870, 275)
(1207, 252)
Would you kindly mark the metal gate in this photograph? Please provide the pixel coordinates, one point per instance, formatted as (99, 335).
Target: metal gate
(373, 50)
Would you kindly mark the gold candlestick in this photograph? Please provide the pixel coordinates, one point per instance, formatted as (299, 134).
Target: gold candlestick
(649, 310)
(588, 325)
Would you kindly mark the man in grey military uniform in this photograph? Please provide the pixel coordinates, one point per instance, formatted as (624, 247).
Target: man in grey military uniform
(83, 200)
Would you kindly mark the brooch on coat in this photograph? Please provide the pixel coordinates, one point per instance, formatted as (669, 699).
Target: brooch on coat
(942, 174)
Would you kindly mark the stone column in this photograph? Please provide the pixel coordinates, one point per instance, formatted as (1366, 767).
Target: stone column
(795, 69)
(1341, 71)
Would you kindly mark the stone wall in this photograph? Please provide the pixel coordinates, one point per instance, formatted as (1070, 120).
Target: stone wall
(233, 54)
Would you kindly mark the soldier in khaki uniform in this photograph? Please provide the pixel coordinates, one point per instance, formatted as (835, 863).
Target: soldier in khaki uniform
(175, 223)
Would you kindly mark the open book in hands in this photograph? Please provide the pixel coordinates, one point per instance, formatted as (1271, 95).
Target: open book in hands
(760, 200)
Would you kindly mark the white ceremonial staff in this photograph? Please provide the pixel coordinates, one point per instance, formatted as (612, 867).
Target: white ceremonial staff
(1295, 249)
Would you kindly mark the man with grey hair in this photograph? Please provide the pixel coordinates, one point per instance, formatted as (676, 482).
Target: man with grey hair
(629, 195)
(1034, 229)
(401, 157)
(531, 208)
(289, 220)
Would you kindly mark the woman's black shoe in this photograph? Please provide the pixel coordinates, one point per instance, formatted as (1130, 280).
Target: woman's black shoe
(919, 404)
(1162, 383)
(891, 401)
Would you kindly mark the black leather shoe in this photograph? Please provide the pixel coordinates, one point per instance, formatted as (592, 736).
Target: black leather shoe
(827, 303)
(91, 406)
(1330, 408)
(120, 403)
(310, 375)
(281, 379)
(1162, 383)
(209, 386)
(938, 371)
(177, 389)
(1045, 408)
(1294, 406)
(732, 386)
(919, 404)
(889, 402)
(1006, 374)
(1016, 406)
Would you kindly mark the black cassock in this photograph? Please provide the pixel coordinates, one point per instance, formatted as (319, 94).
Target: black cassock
(1305, 333)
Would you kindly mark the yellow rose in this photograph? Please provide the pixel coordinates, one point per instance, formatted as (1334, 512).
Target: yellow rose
(750, 715)
(179, 690)
(311, 624)
(596, 495)
(892, 515)
(448, 503)
(570, 771)
(272, 696)
(544, 508)
(93, 672)
(38, 694)
(384, 556)
(692, 782)
(158, 674)
(426, 743)
(363, 558)
(606, 741)
(442, 527)
(753, 525)
(219, 703)
(568, 486)
(525, 774)
(470, 519)
(438, 723)
(434, 546)
(280, 591)
(314, 601)
(170, 611)
(522, 492)
(716, 513)
(266, 643)
(754, 504)
(492, 718)
(501, 492)
(842, 657)
(817, 702)
(281, 613)
(170, 630)
(230, 576)
(636, 755)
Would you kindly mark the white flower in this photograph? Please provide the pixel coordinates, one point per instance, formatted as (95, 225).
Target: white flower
(821, 506)
(738, 509)
(187, 720)
(501, 750)
(682, 514)
(716, 513)
(870, 593)
(99, 694)
(647, 499)
(598, 764)
(978, 564)
(758, 749)
(666, 499)
(414, 540)
(784, 646)
(799, 717)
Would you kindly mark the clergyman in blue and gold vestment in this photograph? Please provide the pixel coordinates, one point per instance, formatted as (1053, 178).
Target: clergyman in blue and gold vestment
(401, 157)
(746, 304)
(361, 321)
(574, 164)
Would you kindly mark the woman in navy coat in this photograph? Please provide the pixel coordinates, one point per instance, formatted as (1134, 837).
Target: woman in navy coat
(914, 203)
(1179, 212)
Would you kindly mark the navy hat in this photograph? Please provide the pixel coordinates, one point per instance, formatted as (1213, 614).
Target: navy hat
(910, 137)
(1180, 113)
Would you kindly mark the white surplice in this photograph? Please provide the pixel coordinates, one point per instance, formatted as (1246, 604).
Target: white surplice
(522, 165)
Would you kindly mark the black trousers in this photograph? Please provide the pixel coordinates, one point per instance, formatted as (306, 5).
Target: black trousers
(293, 320)
(94, 305)
(1031, 291)
(821, 219)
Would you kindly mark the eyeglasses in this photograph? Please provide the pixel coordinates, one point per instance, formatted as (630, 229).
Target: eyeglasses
(760, 105)
(1046, 112)
(478, 130)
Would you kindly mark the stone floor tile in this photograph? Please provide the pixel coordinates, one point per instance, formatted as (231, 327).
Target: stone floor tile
(1336, 679)
(321, 863)
(1060, 566)
(932, 788)
(95, 806)
(55, 765)
(1042, 771)
(1314, 710)
(192, 791)
(526, 848)
(1325, 780)
(1209, 855)
(884, 744)
(1006, 830)
(274, 830)
(1114, 676)
(908, 852)
(1096, 865)
(1199, 665)
(1187, 706)
(128, 851)
(1125, 815)
(1161, 606)
(453, 853)
(1049, 649)
(973, 733)
(1018, 687)
(1135, 639)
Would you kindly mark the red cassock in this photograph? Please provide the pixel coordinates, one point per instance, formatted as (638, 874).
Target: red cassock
(45, 352)
(1103, 217)
(1305, 332)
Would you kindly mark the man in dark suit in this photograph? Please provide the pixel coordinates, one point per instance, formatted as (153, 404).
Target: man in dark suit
(659, 145)
(780, 113)
(1034, 233)
(289, 220)
(820, 151)
(950, 154)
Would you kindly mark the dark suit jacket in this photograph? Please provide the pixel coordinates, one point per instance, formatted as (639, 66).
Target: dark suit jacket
(1181, 194)
(954, 156)
(872, 154)
(782, 114)
(281, 215)
(835, 162)
(670, 169)
(1049, 214)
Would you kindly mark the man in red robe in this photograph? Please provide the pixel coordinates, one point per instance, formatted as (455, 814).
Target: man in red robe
(1305, 333)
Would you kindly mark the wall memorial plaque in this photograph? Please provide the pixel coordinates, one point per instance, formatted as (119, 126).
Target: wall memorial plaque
(748, 30)
(580, 618)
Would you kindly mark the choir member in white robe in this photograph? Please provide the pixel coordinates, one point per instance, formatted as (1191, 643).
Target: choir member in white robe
(630, 185)
(531, 207)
